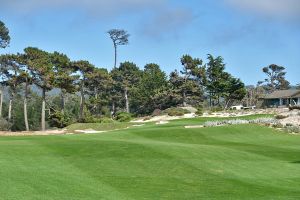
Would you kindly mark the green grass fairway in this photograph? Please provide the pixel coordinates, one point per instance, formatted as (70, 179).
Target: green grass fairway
(153, 162)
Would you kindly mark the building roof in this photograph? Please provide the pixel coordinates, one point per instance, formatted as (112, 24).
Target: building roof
(283, 94)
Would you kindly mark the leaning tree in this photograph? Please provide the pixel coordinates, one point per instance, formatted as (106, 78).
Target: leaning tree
(118, 37)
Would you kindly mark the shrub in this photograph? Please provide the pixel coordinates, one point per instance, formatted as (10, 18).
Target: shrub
(106, 120)
(280, 117)
(146, 118)
(292, 129)
(4, 125)
(176, 111)
(265, 121)
(278, 125)
(59, 119)
(216, 109)
(213, 123)
(199, 111)
(106, 112)
(156, 112)
(237, 121)
(123, 117)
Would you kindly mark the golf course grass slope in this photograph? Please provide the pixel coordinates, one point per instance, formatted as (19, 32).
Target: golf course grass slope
(153, 162)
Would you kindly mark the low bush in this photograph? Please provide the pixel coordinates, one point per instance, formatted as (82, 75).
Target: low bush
(199, 111)
(292, 129)
(176, 111)
(4, 125)
(216, 109)
(280, 117)
(123, 117)
(106, 120)
(156, 112)
(59, 119)
(94, 119)
(277, 125)
(264, 121)
(146, 118)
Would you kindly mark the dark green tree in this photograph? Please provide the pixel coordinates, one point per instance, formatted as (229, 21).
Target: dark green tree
(83, 68)
(193, 77)
(126, 77)
(189, 83)
(98, 85)
(4, 35)
(118, 37)
(153, 82)
(275, 78)
(65, 76)
(10, 70)
(41, 68)
(4, 42)
(216, 79)
(234, 91)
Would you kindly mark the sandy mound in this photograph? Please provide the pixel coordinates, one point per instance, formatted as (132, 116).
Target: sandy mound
(24, 133)
(290, 117)
(89, 131)
(162, 122)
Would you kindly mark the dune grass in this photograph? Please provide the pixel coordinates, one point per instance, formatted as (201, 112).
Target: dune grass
(153, 162)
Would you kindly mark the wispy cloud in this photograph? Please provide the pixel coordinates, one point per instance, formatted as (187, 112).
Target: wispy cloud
(163, 18)
(167, 22)
(284, 9)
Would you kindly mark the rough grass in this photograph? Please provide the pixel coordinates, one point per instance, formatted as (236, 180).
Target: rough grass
(153, 162)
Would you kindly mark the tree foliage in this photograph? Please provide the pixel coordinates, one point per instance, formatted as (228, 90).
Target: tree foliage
(4, 35)
(275, 78)
(119, 37)
(49, 88)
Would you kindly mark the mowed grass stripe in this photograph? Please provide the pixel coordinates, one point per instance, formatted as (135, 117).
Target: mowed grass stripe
(153, 162)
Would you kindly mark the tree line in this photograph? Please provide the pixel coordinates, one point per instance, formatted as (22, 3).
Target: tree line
(48, 89)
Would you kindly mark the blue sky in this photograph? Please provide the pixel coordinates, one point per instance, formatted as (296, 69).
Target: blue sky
(248, 34)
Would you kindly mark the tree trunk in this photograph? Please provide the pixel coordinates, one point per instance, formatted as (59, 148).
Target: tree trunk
(115, 47)
(63, 103)
(81, 103)
(126, 100)
(10, 108)
(1, 102)
(184, 98)
(96, 106)
(227, 103)
(113, 109)
(43, 122)
(25, 107)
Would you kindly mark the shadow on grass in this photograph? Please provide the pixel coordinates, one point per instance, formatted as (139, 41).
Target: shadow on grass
(296, 162)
